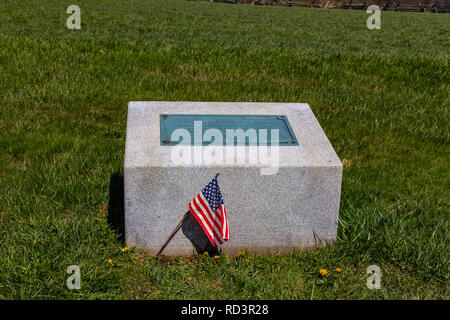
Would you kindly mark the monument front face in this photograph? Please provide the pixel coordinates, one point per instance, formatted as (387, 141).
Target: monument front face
(279, 175)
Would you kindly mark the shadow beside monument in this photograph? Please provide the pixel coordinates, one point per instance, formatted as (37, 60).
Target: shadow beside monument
(116, 209)
(116, 219)
(194, 232)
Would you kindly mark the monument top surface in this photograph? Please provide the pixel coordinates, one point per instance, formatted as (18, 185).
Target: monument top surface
(145, 132)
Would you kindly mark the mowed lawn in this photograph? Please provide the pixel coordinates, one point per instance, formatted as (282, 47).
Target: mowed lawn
(382, 97)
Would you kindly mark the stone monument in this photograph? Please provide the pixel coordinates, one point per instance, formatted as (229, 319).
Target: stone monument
(279, 175)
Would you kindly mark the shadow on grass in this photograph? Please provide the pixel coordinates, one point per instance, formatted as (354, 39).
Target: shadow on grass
(116, 209)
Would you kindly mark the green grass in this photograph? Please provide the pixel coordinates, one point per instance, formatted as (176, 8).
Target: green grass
(382, 97)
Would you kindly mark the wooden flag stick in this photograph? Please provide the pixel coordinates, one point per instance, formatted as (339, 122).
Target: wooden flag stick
(174, 232)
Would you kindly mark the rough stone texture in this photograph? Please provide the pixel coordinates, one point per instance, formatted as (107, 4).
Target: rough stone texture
(296, 208)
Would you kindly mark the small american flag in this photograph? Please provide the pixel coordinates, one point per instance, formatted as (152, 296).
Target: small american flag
(208, 209)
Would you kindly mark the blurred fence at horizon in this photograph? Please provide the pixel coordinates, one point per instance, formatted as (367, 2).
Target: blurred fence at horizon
(435, 6)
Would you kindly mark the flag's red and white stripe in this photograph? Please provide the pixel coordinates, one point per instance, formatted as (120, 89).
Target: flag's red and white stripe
(215, 224)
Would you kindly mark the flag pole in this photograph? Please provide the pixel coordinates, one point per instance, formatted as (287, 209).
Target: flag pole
(174, 232)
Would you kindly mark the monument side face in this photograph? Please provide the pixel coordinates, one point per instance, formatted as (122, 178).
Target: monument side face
(293, 205)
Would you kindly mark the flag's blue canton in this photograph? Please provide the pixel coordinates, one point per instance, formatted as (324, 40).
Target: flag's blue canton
(213, 195)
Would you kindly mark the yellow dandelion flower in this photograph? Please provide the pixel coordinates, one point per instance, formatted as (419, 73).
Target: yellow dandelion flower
(323, 272)
(338, 269)
(125, 249)
(216, 257)
(110, 261)
(206, 253)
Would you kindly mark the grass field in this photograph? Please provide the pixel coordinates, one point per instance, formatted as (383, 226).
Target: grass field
(382, 97)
